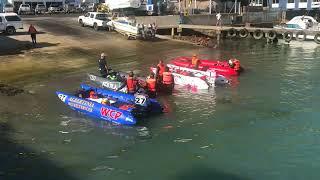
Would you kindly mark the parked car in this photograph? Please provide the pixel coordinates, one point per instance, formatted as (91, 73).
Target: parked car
(24, 9)
(54, 8)
(94, 19)
(10, 22)
(70, 8)
(40, 8)
(8, 8)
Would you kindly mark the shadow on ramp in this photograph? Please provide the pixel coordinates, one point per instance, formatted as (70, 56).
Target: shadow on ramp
(10, 46)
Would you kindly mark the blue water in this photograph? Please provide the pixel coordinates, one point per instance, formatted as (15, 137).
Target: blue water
(263, 126)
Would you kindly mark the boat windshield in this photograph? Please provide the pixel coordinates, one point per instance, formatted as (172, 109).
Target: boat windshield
(293, 26)
(101, 16)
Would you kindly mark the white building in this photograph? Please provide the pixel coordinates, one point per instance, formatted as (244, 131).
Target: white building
(295, 4)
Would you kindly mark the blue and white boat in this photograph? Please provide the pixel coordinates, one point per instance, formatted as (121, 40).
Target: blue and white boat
(120, 108)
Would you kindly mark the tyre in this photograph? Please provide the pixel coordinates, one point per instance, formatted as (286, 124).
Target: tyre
(317, 38)
(243, 33)
(81, 23)
(10, 30)
(300, 36)
(271, 35)
(232, 32)
(95, 27)
(287, 36)
(257, 34)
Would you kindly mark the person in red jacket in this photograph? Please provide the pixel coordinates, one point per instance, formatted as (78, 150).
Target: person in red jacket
(160, 69)
(167, 80)
(151, 86)
(33, 32)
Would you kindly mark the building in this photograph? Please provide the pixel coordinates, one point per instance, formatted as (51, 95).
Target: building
(295, 4)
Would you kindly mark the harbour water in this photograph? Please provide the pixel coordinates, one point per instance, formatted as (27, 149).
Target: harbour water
(263, 126)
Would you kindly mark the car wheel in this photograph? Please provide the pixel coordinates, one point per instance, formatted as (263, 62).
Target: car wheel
(81, 22)
(95, 27)
(10, 30)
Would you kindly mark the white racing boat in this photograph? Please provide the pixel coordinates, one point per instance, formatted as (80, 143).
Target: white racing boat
(125, 25)
(210, 76)
(306, 27)
(190, 81)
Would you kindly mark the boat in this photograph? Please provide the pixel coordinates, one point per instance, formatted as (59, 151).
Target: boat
(220, 67)
(121, 108)
(115, 84)
(187, 80)
(128, 26)
(211, 77)
(125, 25)
(305, 25)
(112, 84)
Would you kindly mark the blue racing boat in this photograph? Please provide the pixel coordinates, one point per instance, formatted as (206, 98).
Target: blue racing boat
(111, 106)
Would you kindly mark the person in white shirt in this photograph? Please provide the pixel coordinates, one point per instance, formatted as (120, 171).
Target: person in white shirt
(218, 19)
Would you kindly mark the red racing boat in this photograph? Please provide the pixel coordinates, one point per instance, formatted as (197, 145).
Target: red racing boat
(231, 67)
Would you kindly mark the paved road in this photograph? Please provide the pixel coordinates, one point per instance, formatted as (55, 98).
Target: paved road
(67, 25)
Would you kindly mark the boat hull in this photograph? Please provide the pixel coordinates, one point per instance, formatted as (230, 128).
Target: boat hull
(97, 110)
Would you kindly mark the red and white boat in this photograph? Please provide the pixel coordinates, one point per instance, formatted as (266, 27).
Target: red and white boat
(231, 67)
(194, 78)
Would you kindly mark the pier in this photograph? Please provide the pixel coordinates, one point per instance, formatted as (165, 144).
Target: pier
(257, 33)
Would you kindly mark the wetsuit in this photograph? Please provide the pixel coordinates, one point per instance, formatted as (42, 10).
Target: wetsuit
(102, 67)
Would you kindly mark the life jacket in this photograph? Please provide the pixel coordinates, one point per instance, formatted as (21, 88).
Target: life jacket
(161, 68)
(167, 78)
(194, 61)
(32, 30)
(151, 84)
(131, 84)
(236, 65)
(93, 95)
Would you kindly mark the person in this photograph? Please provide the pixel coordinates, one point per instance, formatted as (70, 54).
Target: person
(167, 80)
(105, 101)
(160, 69)
(237, 65)
(232, 20)
(195, 61)
(132, 83)
(151, 86)
(33, 33)
(103, 66)
(218, 16)
(93, 95)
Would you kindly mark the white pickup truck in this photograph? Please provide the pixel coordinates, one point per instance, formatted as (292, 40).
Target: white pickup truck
(94, 19)
(10, 22)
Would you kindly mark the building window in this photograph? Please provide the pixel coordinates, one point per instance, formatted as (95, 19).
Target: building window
(275, 1)
(303, 0)
(290, 1)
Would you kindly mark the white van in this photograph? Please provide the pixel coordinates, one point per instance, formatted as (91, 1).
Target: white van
(10, 22)
(8, 8)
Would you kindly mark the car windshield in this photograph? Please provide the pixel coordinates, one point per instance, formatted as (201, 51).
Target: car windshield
(8, 5)
(41, 5)
(25, 5)
(101, 16)
(54, 5)
(12, 18)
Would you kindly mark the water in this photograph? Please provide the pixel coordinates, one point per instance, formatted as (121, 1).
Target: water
(264, 126)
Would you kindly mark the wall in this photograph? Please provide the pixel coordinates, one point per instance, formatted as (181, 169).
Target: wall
(159, 20)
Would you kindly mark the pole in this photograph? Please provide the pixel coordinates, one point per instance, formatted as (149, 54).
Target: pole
(235, 6)
(195, 4)
(210, 10)
(179, 6)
